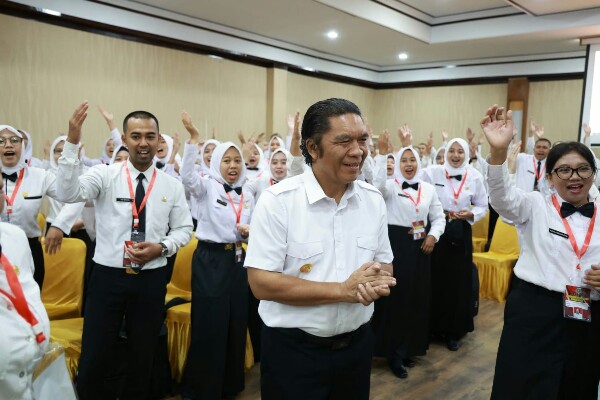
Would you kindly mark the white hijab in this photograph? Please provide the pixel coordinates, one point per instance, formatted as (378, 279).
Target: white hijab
(462, 168)
(29, 148)
(21, 163)
(114, 156)
(169, 141)
(398, 174)
(215, 164)
(53, 164)
(205, 169)
(281, 145)
(104, 157)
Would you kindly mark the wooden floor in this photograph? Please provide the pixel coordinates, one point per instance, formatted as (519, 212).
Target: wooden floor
(441, 374)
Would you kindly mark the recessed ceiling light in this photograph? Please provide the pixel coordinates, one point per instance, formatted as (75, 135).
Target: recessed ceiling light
(450, 66)
(332, 35)
(403, 56)
(51, 12)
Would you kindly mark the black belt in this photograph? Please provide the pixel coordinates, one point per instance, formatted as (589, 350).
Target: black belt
(216, 246)
(336, 342)
(533, 288)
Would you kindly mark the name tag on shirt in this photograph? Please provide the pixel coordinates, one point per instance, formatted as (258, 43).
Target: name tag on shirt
(439, 184)
(125, 199)
(221, 202)
(558, 233)
(531, 172)
(32, 197)
(577, 304)
(402, 195)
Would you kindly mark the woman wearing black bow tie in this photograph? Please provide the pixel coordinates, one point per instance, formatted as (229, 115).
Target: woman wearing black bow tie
(415, 223)
(24, 189)
(549, 347)
(215, 362)
(464, 198)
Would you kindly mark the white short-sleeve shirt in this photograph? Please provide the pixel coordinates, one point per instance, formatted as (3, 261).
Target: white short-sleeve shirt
(296, 224)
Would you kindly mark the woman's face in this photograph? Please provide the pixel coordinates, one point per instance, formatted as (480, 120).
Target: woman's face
(439, 159)
(10, 152)
(390, 166)
(456, 155)
(231, 165)
(575, 189)
(163, 148)
(122, 156)
(58, 149)
(279, 166)
(408, 164)
(254, 158)
(207, 155)
(274, 145)
(110, 147)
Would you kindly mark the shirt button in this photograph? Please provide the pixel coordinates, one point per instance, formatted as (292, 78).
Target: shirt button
(21, 374)
(30, 339)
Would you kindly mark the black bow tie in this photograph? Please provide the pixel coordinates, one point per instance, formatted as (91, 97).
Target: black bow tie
(457, 177)
(228, 189)
(160, 165)
(11, 177)
(406, 185)
(252, 169)
(587, 210)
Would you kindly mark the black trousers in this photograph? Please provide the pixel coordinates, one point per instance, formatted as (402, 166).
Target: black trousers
(113, 294)
(37, 252)
(296, 365)
(215, 362)
(543, 355)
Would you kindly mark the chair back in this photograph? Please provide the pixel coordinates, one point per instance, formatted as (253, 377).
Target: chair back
(182, 270)
(505, 239)
(63, 282)
(480, 228)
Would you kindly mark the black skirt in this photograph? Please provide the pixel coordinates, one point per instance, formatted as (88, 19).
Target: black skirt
(543, 355)
(401, 320)
(452, 281)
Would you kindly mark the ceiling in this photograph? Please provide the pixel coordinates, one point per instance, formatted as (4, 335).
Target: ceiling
(475, 38)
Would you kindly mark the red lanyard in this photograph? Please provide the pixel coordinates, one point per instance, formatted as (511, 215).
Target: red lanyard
(134, 211)
(10, 201)
(416, 203)
(541, 172)
(588, 237)
(19, 300)
(238, 212)
(271, 181)
(462, 183)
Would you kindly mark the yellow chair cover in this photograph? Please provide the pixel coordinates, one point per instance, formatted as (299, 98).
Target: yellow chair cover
(63, 283)
(495, 266)
(67, 333)
(179, 327)
(41, 220)
(181, 281)
(480, 233)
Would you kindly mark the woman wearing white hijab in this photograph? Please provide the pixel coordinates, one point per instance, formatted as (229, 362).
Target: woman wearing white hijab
(275, 143)
(255, 160)
(29, 158)
(24, 188)
(163, 155)
(464, 198)
(279, 165)
(415, 223)
(219, 280)
(206, 155)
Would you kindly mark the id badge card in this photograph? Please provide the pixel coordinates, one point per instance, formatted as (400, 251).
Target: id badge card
(577, 303)
(136, 237)
(238, 252)
(418, 230)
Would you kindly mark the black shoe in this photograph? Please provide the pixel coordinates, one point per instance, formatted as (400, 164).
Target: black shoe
(452, 345)
(399, 370)
(409, 362)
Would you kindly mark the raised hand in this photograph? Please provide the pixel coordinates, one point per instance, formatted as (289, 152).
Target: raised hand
(511, 160)
(186, 119)
(47, 145)
(536, 130)
(444, 136)
(176, 146)
(296, 137)
(470, 135)
(498, 129)
(290, 123)
(76, 122)
(405, 135)
(587, 130)
(383, 143)
(429, 144)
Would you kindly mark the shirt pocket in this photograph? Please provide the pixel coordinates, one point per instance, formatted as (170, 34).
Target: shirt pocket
(366, 248)
(301, 257)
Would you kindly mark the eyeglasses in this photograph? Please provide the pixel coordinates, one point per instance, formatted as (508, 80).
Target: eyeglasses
(13, 139)
(565, 173)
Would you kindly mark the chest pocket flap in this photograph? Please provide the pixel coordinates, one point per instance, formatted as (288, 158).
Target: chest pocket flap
(304, 250)
(367, 242)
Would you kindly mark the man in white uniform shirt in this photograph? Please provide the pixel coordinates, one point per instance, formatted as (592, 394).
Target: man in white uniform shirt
(531, 168)
(318, 257)
(141, 218)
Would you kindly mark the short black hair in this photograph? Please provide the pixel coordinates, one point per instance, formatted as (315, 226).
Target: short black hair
(544, 140)
(139, 115)
(316, 121)
(568, 147)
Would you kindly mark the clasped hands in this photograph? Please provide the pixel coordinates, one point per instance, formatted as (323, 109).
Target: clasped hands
(367, 284)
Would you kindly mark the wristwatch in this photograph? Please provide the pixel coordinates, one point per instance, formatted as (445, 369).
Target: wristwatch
(165, 249)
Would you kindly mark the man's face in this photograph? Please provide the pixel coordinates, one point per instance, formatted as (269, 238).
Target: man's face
(141, 138)
(541, 150)
(342, 151)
